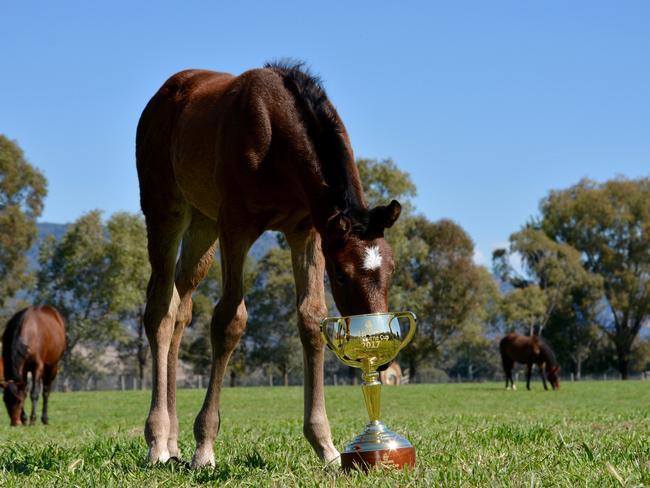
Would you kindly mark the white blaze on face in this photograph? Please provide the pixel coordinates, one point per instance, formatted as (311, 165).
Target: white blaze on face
(372, 258)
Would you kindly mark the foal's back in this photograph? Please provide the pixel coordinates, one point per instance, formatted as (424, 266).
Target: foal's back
(39, 331)
(205, 135)
(521, 349)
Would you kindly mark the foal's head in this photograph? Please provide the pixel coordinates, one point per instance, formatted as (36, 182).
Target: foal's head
(553, 376)
(14, 398)
(359, 261)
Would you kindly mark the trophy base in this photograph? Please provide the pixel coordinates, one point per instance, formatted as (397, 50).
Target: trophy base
(383, 459)
(378, 447)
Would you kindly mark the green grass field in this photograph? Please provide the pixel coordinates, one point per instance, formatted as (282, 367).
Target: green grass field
(586, 434)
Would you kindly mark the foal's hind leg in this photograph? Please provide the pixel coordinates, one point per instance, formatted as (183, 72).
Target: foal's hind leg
(159, 319)
(308, 269)
(228, 324)
(197, 253)
(508, 364)
(529, 371)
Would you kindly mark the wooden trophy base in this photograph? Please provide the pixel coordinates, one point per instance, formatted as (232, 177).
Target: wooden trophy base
(398, 458)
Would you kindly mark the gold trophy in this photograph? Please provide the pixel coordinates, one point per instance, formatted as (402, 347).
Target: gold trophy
(368, 342)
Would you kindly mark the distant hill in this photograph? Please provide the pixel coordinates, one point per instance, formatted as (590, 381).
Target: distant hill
(261, 247)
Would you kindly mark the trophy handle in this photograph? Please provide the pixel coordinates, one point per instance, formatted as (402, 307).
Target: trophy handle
(412, 323)
(324, 330)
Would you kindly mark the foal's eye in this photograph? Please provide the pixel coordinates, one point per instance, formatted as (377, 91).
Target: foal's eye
(340, 277)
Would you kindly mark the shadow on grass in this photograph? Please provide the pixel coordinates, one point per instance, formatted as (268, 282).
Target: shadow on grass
(235, 469)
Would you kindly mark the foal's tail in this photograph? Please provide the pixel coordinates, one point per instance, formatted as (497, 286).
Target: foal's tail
(505, 341)
(506, 360)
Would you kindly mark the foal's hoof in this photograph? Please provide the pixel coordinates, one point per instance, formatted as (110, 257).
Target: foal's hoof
(156, 456)
(201, 460)
(333, 460)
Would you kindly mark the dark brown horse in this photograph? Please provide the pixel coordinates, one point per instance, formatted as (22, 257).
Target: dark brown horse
(228, 157)
(33, 342)
(529, 350)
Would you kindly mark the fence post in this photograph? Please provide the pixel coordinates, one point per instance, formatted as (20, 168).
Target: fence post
(122, 382)
(572, 377)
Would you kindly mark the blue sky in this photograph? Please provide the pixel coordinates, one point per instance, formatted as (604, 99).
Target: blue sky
(488, 105)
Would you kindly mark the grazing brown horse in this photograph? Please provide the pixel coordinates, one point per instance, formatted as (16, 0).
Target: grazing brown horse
(529, 350)
(228, 157)
(33, 342)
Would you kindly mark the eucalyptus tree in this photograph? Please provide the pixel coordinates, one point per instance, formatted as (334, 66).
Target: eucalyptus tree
(549, 272)
(609, 226)
(126, 283)
(71, 277)
(438, 280)
(22, 193)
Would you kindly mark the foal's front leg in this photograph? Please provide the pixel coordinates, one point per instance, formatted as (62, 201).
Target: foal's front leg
(227, 328)
(529, 371)
(541, 372)
(308, 268)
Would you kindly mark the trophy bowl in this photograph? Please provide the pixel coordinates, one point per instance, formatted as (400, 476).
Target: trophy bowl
(368, 342)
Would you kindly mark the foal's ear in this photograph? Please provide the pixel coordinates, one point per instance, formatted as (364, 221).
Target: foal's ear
(338, 226)
(383, 217)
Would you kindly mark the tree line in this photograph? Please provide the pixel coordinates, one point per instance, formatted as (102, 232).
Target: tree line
(578, 274)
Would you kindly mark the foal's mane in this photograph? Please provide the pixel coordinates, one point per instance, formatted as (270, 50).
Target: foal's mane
(547, 352)
(325, 131)
(11, 350)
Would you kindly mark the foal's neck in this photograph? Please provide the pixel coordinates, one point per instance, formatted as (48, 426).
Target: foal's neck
(334, 191)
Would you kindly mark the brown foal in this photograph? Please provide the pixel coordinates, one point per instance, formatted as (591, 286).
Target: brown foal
(33, 342)
(228, 157)
(529, 350)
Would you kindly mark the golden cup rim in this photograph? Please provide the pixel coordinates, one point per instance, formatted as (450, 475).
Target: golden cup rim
(374, 314)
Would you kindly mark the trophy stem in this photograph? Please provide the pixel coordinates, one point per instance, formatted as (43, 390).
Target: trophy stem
(371, 393)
